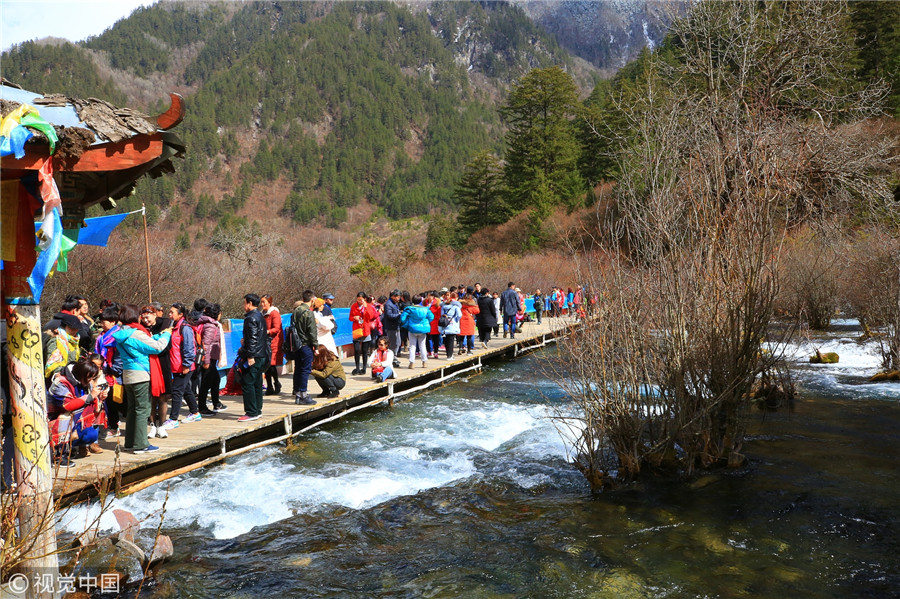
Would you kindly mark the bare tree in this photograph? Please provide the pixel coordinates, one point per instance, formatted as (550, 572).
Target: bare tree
(747, 132)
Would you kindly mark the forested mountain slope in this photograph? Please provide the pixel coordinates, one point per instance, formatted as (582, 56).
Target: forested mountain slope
(337, 103)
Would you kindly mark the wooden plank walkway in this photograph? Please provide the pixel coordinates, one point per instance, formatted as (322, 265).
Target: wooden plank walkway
(216, 438)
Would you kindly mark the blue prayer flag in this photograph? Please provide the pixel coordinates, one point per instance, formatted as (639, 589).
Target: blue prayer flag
(96, 231)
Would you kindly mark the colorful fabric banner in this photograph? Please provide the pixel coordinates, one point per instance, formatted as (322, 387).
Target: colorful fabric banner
(14, 130)
(52, 230)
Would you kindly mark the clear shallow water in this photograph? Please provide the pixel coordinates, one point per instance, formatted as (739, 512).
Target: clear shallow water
(465, 492)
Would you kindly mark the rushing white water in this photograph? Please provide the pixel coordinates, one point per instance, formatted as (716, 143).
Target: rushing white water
(430, 442)
(848, 378)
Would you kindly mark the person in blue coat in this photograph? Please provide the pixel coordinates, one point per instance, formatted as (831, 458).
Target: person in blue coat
(416, 319)
(511, 306)
(140, 367)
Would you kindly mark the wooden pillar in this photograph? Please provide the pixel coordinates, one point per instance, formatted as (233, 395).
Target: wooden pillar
(31, 431)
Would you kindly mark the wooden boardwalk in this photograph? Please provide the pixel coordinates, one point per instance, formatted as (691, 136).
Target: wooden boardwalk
(216, 438)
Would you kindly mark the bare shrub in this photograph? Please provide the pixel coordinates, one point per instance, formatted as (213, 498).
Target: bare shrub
(871, 288)
(810, 267)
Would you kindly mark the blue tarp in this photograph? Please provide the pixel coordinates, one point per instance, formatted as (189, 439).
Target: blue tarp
(343, 336)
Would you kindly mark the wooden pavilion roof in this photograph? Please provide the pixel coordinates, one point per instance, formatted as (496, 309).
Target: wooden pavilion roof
(102, 150)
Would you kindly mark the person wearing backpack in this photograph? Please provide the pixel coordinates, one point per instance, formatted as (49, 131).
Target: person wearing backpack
(304, 323)
(212, 350)
(182, 357)
(451, 314)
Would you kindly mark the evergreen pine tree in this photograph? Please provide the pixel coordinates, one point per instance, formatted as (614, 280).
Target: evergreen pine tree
(479, 194)
(541, 139)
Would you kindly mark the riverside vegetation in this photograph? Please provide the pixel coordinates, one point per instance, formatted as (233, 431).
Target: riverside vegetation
(686, 189)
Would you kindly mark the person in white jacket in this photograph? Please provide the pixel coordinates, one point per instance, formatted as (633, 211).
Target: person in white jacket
(325, 326)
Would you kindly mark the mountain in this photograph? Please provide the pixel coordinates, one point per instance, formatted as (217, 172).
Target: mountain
(306, 109)
(606, 33)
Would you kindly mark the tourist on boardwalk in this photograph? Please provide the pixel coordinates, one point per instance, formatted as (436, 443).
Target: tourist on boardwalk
(112, 365)
(538, 305)
(77, 392)
(382, 361)
(509, 303)
(325, 326)
(520, 315)
(253, 358)
(193, 319)
(304, 322)
(362, 315)
(416, 319)
(328, 372)
(405, 301)
(210, 337)
(486, 319)
(499, 311)
(105, 303)
(377, 326)
(182, 357)
(71, 304)
(160, 390)
(329, 300)
(276, 339)
(85, 332)
(61, 346)
(139, 351)
(470, 310)
(433, 299)
(451, 314)
(391, 321)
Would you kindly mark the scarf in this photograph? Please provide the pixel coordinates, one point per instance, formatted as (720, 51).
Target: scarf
(157, 383)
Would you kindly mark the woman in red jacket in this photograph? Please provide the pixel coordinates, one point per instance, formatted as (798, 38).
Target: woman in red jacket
(433, 302)
(467, 324)
(276, 338)
(76, 393)
(363, 316)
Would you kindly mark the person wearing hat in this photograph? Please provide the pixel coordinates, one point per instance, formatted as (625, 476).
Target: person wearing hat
(326, 309)
(61, 346)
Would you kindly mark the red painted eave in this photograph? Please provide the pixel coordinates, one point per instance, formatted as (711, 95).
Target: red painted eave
(126, 154)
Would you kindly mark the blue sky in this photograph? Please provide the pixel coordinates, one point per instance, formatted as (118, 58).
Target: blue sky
(23, 20)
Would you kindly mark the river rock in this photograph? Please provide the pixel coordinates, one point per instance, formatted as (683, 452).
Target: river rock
(826, 358)
(891, 375)
(622, 584)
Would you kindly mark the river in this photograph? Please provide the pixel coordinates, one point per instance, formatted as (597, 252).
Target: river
(465, 492)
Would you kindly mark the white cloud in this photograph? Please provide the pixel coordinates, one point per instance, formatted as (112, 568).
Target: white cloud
(74, 20)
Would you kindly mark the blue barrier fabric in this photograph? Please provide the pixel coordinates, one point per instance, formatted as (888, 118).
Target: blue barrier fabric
(343, 335)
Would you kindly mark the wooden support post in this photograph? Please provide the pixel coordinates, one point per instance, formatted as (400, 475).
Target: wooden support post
(147, 253)
(31, 435)
(289, 429)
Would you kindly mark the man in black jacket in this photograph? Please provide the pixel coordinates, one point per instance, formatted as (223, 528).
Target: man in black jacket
(254, 358)
(391, 322)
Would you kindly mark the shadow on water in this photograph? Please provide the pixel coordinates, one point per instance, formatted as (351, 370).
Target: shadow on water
(814, 514)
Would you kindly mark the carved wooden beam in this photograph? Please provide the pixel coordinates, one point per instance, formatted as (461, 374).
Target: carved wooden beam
(174, 115)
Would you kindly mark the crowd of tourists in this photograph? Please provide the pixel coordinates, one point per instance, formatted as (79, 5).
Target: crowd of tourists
(128, 370)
